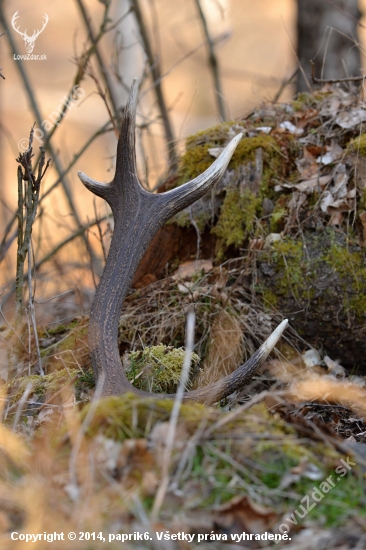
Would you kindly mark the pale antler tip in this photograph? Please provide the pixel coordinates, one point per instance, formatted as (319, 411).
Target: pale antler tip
(272, 340)
(83, 177)
(92, 185)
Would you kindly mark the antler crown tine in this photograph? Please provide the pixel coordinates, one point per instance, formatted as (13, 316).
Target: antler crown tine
(181, 197)
(126, 172)
(125, 178)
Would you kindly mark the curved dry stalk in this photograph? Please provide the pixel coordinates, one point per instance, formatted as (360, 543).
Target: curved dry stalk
(138, 215)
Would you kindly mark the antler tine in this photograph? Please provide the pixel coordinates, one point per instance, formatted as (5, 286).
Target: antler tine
(126, 172)
(175, 200)
(102, 190)
(125, 178)
(236, 380)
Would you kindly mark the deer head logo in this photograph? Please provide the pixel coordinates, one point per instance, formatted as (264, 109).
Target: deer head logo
(29, 40)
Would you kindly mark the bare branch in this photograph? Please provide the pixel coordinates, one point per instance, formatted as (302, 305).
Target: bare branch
(156, 75)
(213, 61)
(333, 80)
(94, 40)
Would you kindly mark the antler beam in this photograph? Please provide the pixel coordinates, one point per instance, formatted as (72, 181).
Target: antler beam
(138, 215)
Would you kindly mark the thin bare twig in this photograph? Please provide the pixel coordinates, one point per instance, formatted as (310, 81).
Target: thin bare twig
(284, 84)
(333, 80)
(54, 251)
(94, 40)
(213, 61)
(31, 309)
(156, 75)
(6, 243)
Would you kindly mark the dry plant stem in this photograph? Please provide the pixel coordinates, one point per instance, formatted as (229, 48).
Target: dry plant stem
(163, 487)
(156, 75)
(138, 215)
(333, 80)
(31, 309)
(213, 63)
(19, 277)
(29, 197)
(57, 248)
(286, 82)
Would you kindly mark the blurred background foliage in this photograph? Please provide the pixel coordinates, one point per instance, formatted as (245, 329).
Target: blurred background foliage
(161, 42)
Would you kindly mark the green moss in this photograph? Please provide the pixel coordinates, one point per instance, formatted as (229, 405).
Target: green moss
(269, 298)
(358, 145)
(129, 416)
(158, 369)
(237, 217)
(303, 99)
(351, 268)
(194, 162)
(215, 135)
(296, 274)
(288, 256)
(42, 385)
(278, 215)
(75, 337)
(60, 329)
(197, 159)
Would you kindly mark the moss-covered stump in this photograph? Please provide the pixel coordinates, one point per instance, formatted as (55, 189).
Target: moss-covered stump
(298, 172)
(319, 282)
(226, 216)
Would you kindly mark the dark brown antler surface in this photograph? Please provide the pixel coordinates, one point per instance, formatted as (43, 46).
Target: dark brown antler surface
(138, 215)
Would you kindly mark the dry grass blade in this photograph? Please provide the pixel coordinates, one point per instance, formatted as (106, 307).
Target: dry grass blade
(174, 417)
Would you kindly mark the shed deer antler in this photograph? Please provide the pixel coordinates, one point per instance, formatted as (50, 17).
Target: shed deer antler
(138, 215)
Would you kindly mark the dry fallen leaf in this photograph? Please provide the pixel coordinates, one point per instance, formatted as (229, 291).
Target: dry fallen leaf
(334, 152)
(351, 118)
(308, 186)
(243, 514)
(307, 166)
(334, 368)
